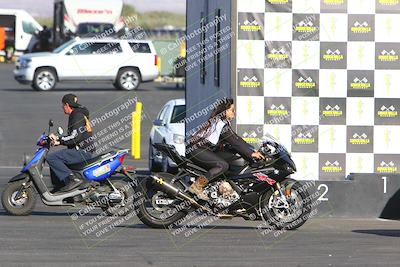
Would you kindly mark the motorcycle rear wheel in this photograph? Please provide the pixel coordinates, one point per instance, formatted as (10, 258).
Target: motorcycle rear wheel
(149, 190)
(21, 206)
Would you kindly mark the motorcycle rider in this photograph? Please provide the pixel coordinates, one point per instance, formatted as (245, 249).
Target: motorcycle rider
(203, 145)
(77, 141)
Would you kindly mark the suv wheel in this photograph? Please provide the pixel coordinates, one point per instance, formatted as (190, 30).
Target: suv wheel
(44, 79)
(128, 79)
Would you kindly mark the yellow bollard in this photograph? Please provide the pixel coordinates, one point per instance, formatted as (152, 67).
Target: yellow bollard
(158, 79)
(136, 122)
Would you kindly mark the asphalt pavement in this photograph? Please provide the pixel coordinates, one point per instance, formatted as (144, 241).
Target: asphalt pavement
(55, 236)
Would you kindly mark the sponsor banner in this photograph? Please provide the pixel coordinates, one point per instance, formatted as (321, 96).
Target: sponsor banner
(387, 111)
(360, 83)
(386, 164)
(333, 55)
(305, 82)
(334, 6)
(278, 5)
(360, 139)
(387, 6)
(332, 111)
(278, 55)
(278, 110)
(250, 82)
(387, 56)
(332, 166)
(304, 138)
(306, 27)
(251, 26)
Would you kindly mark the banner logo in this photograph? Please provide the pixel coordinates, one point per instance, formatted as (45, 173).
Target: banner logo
(360, 84)
(359, 139)
(277, 110)
(250, 82)
(388, 56)
(334, 111)
(389, 2)
(307, 83)
(305, 26)
(250, 26)
(335, 55)
(278, 54)
(250, 137)
(361, 27)
(384, 167)
(332, 167)
(304, 139)
(387, 112)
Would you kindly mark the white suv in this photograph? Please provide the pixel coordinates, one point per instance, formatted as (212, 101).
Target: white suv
(126, 63)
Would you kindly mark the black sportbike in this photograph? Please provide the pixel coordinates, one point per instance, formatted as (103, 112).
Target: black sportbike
(251, 190)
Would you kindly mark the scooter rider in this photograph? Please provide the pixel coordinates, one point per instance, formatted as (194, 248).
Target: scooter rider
(77, 142)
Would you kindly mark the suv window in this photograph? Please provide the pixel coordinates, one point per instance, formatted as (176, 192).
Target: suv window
(96, 48)
(81, 49)
(178, 114)
(140, 48)
(106, 48)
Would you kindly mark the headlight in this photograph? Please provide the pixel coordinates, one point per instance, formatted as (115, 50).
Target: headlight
(24, 63)
(178, 139)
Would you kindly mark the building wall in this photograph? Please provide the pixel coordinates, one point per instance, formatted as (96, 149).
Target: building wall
(200, 96)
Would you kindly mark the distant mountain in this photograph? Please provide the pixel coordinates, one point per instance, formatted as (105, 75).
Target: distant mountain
(44, 8)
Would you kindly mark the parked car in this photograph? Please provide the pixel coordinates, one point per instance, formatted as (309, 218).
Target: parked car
(168, 128)
(125, 63)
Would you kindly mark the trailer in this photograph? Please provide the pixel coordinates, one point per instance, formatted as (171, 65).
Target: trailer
(86, 18)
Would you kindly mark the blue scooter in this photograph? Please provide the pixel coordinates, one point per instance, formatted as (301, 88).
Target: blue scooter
(114, 196)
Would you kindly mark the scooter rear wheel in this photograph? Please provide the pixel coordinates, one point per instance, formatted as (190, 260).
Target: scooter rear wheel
(18, 206)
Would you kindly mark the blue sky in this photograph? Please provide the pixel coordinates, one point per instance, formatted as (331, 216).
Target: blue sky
(45, 7)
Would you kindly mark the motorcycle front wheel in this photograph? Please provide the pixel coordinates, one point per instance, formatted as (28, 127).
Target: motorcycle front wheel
(17, 200)
(287, 215)
(156, 209)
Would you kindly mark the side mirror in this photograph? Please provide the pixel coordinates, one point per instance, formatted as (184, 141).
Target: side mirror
(60, 130)
(158, 122)
(51, 123)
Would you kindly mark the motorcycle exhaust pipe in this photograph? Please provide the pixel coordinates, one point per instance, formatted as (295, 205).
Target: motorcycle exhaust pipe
(176, 192)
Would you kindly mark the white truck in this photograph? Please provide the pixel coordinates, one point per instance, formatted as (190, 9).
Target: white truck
(20, 29)
(86, 18)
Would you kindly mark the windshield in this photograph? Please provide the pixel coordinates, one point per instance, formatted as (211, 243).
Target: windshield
(63, 46)
(94, 28)
(268, 137)
(178, 114)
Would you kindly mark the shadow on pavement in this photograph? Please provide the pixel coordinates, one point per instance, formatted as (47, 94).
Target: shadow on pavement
(381, 232)
(46, 213)
(221, 227)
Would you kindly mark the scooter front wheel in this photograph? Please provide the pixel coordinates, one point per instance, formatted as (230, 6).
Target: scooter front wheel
(17, 200)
